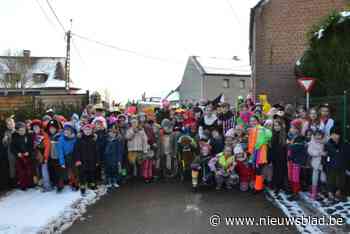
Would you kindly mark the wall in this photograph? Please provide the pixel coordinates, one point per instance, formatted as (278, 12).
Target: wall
(213, 87)
(191, 86)
(16, 102)
(280, 40)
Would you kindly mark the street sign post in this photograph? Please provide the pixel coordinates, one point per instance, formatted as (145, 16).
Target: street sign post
(307, 83)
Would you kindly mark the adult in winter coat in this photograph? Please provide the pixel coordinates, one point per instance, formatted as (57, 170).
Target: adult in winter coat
(278, 155)
(86, 158)
(22, 147)
(11, 158)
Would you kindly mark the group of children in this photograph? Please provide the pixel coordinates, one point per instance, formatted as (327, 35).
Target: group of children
(253, 145)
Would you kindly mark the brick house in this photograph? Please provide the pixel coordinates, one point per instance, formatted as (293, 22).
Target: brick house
(278, 31)
(206, 78)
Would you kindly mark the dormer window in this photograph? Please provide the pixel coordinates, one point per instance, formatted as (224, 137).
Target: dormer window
(40, 78)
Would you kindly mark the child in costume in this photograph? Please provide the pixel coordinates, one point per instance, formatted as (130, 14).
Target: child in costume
(137, 145)
(244, 116)
(200, 166)
(226, 120)
(316, 150)
(297, 156)
(243, 168)
(65, 149)
(113, 157)
(22, 147)
(148, 158)
(168, 149)
(53, 131)
(223, 165)
(186, 153)
(86, 158)
(42, 149)
(258, 140)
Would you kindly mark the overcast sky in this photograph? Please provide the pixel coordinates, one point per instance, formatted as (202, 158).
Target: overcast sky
(168, 29)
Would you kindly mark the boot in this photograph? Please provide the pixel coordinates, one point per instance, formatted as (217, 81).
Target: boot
(313, 193)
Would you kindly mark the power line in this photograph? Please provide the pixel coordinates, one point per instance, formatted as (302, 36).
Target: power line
(234, 13)
(78, 52)
(46, 15)
(54, 13)
(127, 50)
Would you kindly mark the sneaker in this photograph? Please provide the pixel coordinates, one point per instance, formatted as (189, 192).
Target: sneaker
(115, 185)
(218, 188)
(109, 186)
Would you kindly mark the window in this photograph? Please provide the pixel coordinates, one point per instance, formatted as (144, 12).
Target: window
(242, 84)
(226, 83)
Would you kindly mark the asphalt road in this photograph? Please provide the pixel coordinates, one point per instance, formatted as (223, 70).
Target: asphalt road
(171, 208)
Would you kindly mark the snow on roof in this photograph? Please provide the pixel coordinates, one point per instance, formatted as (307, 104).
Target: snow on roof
(175, 96)
(224, 66)
(44, 66)
(41, 65)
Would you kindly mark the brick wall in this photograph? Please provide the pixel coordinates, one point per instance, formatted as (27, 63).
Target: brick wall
(280, 40)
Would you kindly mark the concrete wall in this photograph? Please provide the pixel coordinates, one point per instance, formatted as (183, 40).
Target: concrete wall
(213, 86)
(279, 40)
(191, 86)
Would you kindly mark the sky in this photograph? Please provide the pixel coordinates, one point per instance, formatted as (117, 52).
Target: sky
(163, 33)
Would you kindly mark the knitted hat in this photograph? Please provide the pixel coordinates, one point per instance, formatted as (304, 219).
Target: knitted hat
(20, 125)
(68, 126)
(297, 123)
(36, 122)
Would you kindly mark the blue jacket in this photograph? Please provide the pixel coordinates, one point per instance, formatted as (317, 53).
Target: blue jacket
(65, 147)
(114, 151)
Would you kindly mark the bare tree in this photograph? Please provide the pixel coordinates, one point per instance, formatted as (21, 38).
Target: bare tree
(14, 70)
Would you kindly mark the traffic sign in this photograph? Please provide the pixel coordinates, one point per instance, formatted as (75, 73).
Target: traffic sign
(307, 83)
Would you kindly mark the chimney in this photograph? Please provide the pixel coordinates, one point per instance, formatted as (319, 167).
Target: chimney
(26, 53)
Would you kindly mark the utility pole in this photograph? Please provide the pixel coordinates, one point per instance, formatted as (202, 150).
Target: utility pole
(67, 64)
